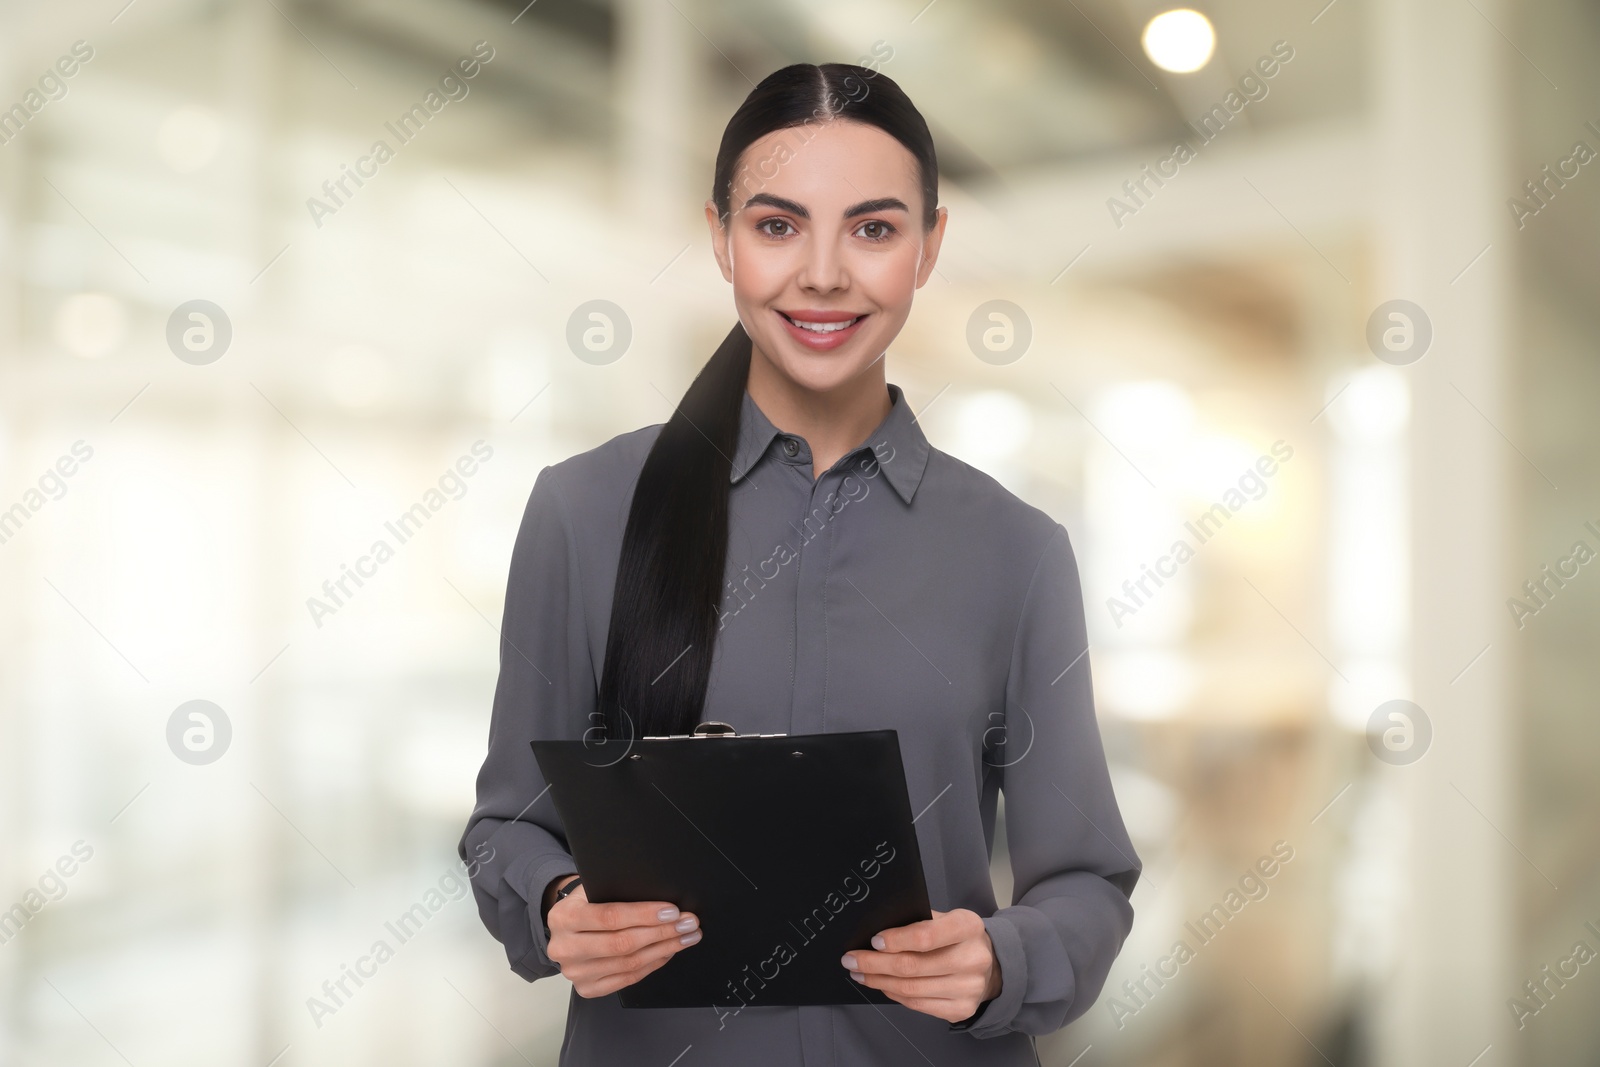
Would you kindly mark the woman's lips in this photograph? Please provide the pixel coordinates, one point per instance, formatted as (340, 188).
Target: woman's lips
(822, 339)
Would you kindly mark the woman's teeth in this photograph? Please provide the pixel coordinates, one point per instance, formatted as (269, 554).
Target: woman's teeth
(825, 327)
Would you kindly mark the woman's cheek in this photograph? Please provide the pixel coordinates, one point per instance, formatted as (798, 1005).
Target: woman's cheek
(891, 280)
(760, 272)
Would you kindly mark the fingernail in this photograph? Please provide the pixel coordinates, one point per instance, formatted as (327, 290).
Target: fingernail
(688, 922)
(849, 961)
(689, 939)
(878, 942)
(667, 914)
(858, 976)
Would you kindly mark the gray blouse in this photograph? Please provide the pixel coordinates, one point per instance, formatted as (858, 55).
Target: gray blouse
(902, 589)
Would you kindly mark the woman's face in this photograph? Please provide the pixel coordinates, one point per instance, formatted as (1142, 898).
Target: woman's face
(825, 229)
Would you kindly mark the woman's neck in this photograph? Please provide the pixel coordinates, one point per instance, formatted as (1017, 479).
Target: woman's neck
(832, 423)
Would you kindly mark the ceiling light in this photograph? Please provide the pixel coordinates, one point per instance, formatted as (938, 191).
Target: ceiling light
(1181, 40)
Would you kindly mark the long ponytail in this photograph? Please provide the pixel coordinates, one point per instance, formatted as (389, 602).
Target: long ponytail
(675, 546)
(674, 550)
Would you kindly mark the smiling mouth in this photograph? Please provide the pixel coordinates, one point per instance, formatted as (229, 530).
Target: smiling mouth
(823, 327)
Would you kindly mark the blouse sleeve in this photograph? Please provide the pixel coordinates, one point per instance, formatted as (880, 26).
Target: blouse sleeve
(1073, 863)
(514, 842)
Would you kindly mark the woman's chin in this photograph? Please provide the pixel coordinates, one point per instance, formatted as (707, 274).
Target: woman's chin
(826, 378)
(820, 372)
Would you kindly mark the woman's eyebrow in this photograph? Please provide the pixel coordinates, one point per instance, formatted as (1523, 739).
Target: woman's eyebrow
(778, 202)
(872, 207)
(866, 207)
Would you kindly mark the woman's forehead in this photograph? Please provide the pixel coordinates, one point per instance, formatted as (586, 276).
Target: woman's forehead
(826, 166)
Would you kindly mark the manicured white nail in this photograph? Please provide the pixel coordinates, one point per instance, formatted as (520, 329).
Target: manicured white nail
(689, 938)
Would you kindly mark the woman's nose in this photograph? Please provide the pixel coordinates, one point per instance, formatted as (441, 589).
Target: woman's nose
(823, 269)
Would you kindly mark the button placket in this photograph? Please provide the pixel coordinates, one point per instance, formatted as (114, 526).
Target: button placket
(808, 710)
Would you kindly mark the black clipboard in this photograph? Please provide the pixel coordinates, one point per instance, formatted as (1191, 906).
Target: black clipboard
(791, 849)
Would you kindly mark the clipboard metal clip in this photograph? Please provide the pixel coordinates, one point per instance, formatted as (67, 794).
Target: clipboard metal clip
(709, 728)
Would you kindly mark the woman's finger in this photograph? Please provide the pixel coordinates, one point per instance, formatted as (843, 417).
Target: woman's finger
(945, 928)
(606, 984)
(949, 1010)
(934, 987)
(600, 975)
(951, 959)
(581, 914)
(596, 944)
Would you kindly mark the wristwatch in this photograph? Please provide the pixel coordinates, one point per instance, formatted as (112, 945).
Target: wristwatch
(544, 909)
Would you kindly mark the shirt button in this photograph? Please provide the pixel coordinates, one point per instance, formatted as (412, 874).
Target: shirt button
(791, 447)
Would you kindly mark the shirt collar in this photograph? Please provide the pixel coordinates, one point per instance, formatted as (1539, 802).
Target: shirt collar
(898, 443)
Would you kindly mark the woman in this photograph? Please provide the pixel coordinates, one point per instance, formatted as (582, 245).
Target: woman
(789, 555)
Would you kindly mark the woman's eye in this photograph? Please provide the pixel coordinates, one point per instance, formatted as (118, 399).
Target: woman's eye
(881, 231)
(765, 224)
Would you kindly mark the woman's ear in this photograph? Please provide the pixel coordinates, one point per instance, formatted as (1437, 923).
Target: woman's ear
(930, 246)
(719, 241)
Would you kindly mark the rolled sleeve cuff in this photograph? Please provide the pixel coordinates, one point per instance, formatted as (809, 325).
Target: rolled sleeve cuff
(528, 877)
(994, 1017)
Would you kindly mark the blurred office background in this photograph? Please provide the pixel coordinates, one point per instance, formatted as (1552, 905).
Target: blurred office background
(174, 503)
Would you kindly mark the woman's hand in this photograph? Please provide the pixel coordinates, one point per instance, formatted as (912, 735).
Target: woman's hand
(944, 966)
(603, 947)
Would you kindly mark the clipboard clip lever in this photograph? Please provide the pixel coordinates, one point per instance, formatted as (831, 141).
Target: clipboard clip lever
(709, 728)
